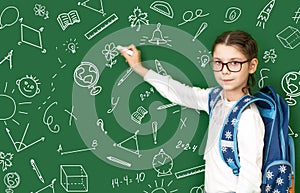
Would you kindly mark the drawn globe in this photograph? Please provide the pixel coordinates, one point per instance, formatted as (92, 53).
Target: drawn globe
(86, 75)
(291, 84)
(11, 180)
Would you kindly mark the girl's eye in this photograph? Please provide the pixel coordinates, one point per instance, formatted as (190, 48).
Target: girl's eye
(217, 62)
(234, 63)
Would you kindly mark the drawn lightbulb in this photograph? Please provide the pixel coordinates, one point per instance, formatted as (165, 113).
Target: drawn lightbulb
(204, 60)
(72, 47)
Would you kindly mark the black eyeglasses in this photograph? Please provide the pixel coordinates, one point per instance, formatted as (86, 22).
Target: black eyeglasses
(232, 66)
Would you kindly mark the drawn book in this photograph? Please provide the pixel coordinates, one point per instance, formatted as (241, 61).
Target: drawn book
(67, 19)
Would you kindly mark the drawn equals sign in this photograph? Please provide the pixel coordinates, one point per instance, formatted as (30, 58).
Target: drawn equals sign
(101, 26)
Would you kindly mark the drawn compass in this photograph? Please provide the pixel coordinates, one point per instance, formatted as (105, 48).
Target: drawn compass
(162, 163)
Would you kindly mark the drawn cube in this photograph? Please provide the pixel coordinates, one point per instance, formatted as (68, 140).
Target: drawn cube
(289, 37)
(73, 178)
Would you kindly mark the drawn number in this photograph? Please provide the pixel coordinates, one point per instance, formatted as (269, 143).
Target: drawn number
(178, 144)
(140, 177)
(142, 97)
(187, 146)
(195, 148)
(115, 182)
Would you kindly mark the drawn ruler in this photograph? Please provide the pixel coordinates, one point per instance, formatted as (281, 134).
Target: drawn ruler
(101, 26)
(190, 172)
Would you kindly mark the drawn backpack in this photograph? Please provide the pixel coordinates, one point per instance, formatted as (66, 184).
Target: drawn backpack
(278, 168)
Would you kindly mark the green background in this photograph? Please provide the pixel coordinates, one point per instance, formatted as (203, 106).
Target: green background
(59, 93)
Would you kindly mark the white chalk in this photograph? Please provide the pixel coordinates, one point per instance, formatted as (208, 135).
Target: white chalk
(121, 48)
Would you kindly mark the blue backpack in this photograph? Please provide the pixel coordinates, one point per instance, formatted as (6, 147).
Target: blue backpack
(278, 153)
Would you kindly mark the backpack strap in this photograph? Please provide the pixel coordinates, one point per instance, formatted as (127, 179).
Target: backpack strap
(228, 135)
(228, 139)
(213, 97)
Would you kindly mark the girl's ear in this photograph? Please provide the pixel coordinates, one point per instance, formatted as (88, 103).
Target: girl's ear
(253, 65)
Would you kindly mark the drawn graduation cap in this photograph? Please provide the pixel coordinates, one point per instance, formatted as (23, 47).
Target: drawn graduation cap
(163, 8)
(157, 37)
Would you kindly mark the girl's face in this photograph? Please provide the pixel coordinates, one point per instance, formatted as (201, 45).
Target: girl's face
(233, 82)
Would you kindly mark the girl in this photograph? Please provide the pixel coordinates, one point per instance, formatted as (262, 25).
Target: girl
(234, 62)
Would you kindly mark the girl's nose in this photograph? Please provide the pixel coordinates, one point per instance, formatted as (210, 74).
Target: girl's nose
(225, 70)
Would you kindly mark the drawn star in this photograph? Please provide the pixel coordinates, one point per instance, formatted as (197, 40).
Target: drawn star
(276, 191)
(229, 160)
(228, 135)
(235, 109)
(224, 149)
(247, 100)
(216, 90)
(234, 121)
(270, 175)
(268, 188)
(279, 181)
(282, 169)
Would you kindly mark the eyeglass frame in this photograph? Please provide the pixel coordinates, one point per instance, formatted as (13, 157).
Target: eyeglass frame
(226, 64)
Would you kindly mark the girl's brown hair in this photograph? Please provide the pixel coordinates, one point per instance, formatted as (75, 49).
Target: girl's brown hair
(245, 43)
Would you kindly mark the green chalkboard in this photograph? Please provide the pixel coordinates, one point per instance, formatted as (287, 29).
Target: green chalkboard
(73, 116)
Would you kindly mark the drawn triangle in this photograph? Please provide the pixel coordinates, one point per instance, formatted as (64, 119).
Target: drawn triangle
(130, 144)
(95, 5)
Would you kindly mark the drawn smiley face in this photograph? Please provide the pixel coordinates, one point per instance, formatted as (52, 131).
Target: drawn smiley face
(28, 86)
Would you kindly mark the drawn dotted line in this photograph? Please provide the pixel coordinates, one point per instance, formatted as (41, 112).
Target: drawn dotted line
(52, 84)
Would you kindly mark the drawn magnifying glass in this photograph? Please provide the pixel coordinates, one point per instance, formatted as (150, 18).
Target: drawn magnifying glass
(9, 16)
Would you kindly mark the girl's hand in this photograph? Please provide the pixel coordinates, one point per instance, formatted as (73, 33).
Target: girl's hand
(134, 60)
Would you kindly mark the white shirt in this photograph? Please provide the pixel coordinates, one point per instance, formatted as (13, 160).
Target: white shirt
(218, 176)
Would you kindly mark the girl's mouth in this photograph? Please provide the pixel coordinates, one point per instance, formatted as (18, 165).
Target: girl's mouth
(227, 80)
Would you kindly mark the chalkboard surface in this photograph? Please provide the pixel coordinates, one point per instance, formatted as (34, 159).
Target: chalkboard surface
(75, 118)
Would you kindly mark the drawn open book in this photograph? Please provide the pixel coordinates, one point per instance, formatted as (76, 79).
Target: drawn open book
(139, 114)
(67, 19)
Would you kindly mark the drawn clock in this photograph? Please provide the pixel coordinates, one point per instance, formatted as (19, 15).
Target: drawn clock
(90, 108)
(163, 164)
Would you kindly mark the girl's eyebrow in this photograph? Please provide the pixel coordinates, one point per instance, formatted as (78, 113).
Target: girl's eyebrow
(231, 59)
